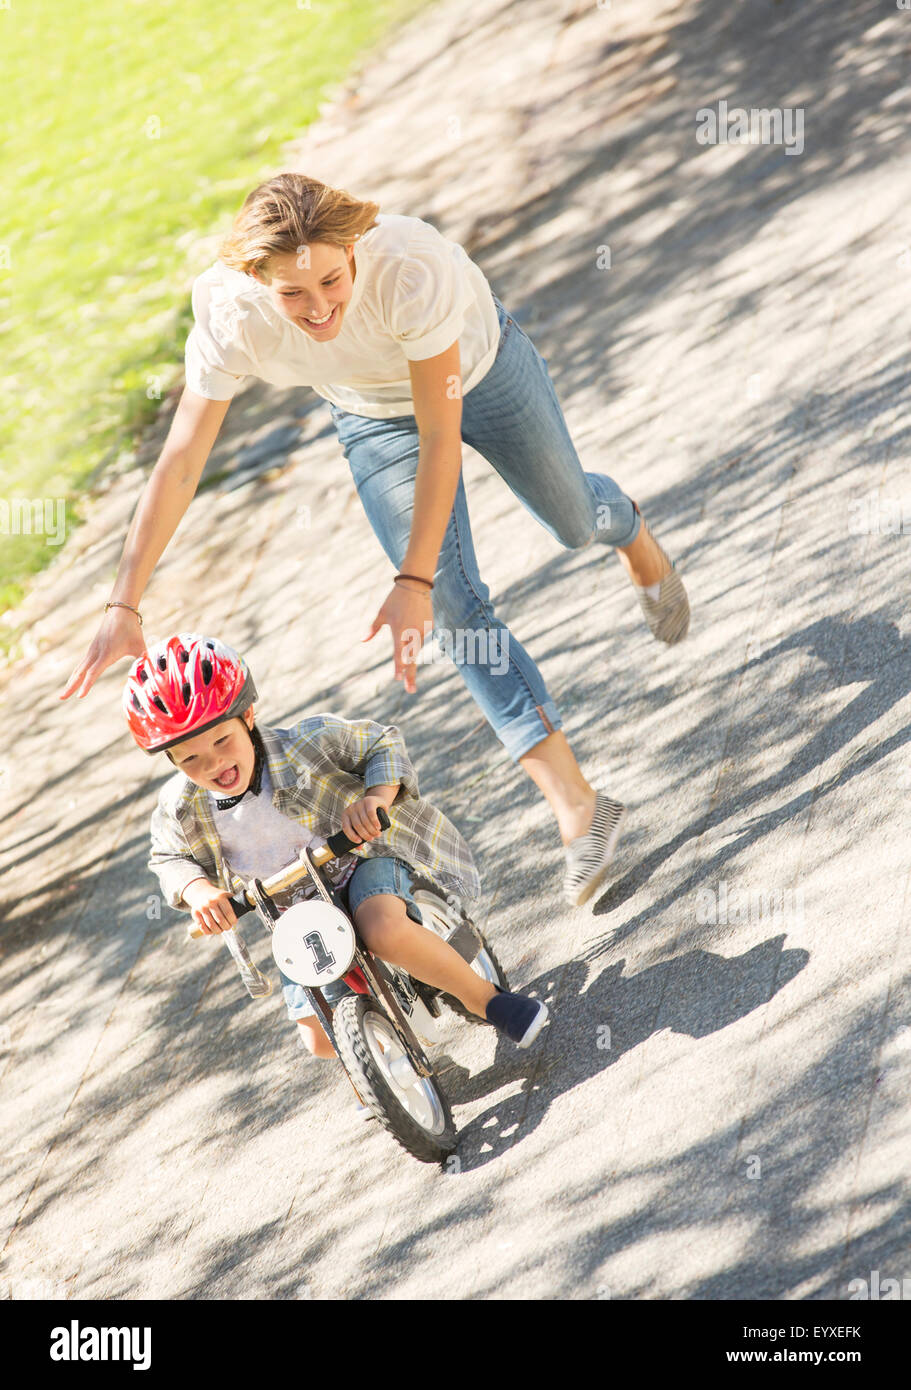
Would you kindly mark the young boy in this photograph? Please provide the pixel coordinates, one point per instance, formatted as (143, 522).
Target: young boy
(246, 800)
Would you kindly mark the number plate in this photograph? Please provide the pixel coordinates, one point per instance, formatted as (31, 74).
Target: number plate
(313, 943)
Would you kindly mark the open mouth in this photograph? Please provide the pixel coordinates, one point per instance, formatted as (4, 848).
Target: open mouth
(319, 324)
(228, 778)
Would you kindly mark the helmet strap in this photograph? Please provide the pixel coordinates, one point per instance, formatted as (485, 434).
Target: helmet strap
(259, 762)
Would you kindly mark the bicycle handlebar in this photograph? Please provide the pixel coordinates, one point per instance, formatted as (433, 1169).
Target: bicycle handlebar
(336, 845)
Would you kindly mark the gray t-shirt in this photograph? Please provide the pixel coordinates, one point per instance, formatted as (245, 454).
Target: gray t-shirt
(257, 841)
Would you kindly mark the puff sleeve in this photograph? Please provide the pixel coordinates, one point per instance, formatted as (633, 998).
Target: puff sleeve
(431, 295)
(216, 362)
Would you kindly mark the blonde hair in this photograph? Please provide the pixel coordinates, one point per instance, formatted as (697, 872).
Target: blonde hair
(288, 212)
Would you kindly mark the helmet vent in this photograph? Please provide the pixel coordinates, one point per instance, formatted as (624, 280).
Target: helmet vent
(143, 674)
(157, 700)
(185, 691)
(136, 704)
(162, 663)
(183, 656)
(211, 646)
(206, 667)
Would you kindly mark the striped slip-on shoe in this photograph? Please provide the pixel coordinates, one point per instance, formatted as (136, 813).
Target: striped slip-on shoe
(588, 857)
(668, 615)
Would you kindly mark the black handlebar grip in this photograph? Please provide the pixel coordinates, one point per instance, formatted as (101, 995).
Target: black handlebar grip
(339, 842)
(240, 906)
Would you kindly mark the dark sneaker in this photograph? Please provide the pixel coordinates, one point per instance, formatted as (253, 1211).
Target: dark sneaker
(516, 1015)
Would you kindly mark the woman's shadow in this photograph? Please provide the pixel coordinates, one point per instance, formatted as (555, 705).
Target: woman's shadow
(696, 994)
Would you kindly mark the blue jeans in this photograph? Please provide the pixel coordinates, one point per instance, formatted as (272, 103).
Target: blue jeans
(379, 875)
(513, 418)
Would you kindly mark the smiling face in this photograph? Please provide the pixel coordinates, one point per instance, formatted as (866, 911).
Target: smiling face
(221, 759)
(308, 287)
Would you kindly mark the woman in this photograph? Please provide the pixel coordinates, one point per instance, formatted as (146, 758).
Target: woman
(399, 330)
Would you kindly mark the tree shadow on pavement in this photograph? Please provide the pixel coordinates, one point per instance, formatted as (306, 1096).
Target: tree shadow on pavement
(777, 1169)
(869, 649)
(591, 1029)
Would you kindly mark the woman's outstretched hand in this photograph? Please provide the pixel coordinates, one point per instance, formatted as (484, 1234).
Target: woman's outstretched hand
(120, 634)
(409, 615)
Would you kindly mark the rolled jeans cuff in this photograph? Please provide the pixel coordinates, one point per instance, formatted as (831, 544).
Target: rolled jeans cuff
(621, 510)
(520, 735)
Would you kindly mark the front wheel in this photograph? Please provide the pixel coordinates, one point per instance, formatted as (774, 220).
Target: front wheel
(411, 1107)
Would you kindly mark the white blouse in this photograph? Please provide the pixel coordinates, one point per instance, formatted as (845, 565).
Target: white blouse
(414, 294)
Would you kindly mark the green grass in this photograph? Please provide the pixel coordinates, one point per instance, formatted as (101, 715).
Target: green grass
(133, 128)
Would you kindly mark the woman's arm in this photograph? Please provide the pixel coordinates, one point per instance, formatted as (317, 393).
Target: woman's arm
(436, 385)
(167, 495)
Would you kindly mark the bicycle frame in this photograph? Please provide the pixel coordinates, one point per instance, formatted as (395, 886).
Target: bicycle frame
(257, 894)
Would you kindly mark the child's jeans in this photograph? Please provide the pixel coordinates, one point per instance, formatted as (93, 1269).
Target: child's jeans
(372, 876)
(513, 418)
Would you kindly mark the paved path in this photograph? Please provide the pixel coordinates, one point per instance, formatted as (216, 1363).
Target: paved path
(719, 1108)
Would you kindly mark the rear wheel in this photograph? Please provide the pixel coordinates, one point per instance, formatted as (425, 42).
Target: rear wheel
(411, 1107)
(444, 915)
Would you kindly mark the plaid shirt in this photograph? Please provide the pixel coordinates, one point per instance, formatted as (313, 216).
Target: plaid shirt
(318, 767)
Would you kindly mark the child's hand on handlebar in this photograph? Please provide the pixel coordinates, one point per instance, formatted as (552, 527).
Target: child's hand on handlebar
(360, 821)
(210, 906)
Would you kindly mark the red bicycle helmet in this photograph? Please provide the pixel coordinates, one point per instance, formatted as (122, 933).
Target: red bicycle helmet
(183, 686)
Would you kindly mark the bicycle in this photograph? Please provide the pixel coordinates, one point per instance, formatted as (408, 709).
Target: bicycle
(378, 1026)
